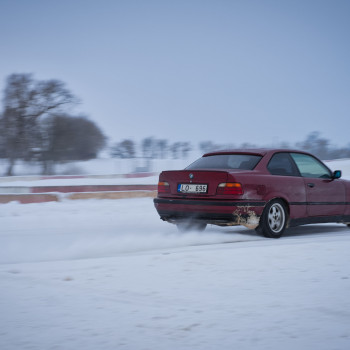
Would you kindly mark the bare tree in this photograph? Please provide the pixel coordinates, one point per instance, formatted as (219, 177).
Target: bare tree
(69, 138)
(124, 149)
(147, 147)
(176, 150)
(162, 146)
(186, 148)
(25, 102)
(209, 146)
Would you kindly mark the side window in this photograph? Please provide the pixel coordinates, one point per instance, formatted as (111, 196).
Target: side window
(282, 164)
(310, 166)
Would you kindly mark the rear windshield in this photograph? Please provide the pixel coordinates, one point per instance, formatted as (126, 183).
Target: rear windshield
(226, 161)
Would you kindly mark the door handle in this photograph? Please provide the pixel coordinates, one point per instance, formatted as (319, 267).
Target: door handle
(311, 185)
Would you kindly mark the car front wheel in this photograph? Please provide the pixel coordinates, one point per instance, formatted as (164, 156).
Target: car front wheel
(274, 219)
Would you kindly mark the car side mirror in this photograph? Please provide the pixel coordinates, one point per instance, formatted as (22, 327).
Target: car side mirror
(336, 174)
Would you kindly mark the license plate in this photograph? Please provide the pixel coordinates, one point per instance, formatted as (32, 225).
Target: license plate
(192, 188)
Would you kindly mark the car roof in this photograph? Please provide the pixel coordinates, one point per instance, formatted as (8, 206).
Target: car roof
(253, 151)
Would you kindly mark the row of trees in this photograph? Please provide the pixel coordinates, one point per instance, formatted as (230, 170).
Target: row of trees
(159, 148)
(151, 148)
(35, 124)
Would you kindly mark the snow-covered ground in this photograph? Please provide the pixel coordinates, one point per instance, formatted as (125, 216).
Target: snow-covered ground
(104, 274)
(86, 181)
(108, 274)
(102, 166)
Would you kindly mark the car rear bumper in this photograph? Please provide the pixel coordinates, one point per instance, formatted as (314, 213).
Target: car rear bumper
(218, 212)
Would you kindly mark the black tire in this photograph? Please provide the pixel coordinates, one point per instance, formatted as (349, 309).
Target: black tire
(274, 219)
(188, 225)
(348, 225)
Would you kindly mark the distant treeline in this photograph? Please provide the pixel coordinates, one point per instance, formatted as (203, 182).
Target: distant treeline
(36, 124)
(151, 148)
(154, 148)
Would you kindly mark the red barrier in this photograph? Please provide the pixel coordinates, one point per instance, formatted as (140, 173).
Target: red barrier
(28, 198)
(93, 188)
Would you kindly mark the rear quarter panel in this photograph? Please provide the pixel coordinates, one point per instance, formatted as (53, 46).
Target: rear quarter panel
(265, 187)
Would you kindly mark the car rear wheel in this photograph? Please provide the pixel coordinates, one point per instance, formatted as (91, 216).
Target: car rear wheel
(185, 226)
(274, 219)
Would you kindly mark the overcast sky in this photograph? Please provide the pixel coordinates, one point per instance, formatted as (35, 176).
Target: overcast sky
(228, 71)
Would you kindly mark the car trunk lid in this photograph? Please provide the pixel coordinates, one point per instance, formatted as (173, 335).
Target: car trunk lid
(210, 178)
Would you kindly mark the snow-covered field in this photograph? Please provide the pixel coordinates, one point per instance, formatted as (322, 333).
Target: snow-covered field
(102, 166)
(104, 274)
(108, 274)
(88, 181)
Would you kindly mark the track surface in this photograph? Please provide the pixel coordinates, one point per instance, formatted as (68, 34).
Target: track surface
(106, 274)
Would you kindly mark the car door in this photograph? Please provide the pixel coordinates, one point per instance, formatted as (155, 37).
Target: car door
(325, 196)
(286, 180)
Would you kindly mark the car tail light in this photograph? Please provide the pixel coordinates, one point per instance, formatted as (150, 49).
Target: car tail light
(163, 187)
(230, 188)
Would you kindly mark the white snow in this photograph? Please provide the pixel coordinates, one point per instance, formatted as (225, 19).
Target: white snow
(147, 180)
(109, 274)
(102, 166)
(104, 274)
(340, 164)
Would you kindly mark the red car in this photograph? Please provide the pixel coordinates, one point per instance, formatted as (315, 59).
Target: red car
(265, 189)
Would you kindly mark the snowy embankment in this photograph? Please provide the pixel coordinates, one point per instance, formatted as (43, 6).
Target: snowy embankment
(99, 182)
(48, 189)
(107, 274)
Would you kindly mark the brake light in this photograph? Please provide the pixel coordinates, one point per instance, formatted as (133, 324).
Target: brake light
(230, 188)
(163, 187)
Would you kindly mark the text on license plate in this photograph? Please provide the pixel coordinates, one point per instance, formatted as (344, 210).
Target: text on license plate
(192, 188)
